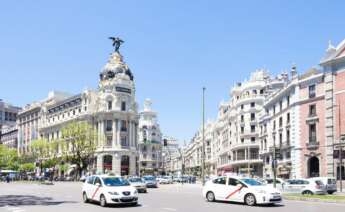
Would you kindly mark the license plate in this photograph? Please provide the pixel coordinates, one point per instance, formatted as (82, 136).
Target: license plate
(127, 198)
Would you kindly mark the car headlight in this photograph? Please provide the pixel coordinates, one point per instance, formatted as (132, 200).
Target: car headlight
(113, 193)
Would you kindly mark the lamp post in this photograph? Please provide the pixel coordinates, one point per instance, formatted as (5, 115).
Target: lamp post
(203, 137)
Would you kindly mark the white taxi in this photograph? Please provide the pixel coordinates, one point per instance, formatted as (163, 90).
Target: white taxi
(240, 189)
(107, 189)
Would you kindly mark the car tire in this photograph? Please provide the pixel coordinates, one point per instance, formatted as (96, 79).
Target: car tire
(85, 199)
(210, 196)
(102, 201)
(250, 200)
(134, 204)
(307, 192)
(330, 192)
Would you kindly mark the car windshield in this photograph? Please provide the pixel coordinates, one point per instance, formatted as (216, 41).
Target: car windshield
(251, 182)
(135, 180)
(149, 178)
(115, 181)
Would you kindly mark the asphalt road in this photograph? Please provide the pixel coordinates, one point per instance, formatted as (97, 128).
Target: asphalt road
(66, 197)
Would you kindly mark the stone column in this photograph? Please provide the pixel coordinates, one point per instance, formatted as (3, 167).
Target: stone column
(132, 164)
(116, 164)
(98, 133)
(118, 133)
(129, 133)
(99, 164)
(114, 134)
(102, 133)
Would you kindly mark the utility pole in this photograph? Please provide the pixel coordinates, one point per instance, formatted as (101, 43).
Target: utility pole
(203, 137)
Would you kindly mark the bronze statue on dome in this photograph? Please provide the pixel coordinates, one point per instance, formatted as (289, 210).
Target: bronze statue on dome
(116, 43)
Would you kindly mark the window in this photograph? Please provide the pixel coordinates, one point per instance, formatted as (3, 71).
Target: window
(242, 106)
(110, 105)
(252, 128)
(312, 93)
(242, 118)
(280, 140)
(97, 180)
(274, 109)
(312, 110)
(274, 125)
(109, 126)
(90, 180)
(280, 105)
(221, 180)
(288, 118)
(288, 137)
(123, 106)
(233, 182)
(109, 141)
(252, 116)
(252, 104)
(242, 140)
(242, 130)
(288, 100)
(312, 133)
(252, 139)
(255, 92)
(123, 126)
(280, 121)
(288, 155)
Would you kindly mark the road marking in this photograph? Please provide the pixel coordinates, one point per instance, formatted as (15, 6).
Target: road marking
(169, 209)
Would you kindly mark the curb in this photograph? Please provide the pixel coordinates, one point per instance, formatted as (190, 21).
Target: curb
(313, 200)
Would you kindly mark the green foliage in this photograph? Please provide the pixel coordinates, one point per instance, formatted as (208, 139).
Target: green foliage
(40, 148)
(8, 158)
(78, 145)
(27, 167)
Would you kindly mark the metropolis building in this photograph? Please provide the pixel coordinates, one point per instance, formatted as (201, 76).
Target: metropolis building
(111, 110)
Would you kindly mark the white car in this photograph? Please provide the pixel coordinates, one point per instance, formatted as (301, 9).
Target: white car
(138, 183)
(239, 189)
(329, 182)
(109, 190)
(305, 186)
(165, 180)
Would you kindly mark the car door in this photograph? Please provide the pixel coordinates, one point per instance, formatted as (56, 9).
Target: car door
(89, 186)
(234, 190)
(219, 188)
(96, 189)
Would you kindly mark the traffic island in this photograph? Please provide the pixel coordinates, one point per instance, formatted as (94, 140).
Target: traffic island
(316, 198)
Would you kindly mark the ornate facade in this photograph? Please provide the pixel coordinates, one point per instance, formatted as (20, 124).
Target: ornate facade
(150, 141)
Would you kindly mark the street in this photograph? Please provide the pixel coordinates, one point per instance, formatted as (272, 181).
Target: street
(66, 196)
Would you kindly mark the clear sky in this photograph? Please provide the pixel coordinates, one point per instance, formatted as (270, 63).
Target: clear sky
(173, 48)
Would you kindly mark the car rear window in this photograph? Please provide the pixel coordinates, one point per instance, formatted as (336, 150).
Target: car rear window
(318, 182)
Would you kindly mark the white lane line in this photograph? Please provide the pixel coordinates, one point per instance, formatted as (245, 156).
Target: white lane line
(169, 209)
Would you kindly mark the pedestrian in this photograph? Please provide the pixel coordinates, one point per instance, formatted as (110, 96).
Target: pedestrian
(8, 179)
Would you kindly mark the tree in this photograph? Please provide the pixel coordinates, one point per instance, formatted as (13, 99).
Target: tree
(8, 158)
(78, 144)
(40, 148)
(26, 167)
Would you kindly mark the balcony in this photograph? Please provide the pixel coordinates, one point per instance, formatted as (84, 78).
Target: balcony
(313, 144)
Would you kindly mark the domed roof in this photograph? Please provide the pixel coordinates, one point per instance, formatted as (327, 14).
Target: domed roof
(115, 66)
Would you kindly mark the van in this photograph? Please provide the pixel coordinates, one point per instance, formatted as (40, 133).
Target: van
(329, 182)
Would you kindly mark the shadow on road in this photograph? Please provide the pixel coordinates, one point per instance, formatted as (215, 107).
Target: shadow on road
(20, 200)
(118, 206)
(263, 205)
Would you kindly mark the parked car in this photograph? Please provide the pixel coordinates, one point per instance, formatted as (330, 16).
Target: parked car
(165, 180)
(305, 186)
(109, 190)
(150, 182)
(138, 183)
(329, 182)
(238, 189)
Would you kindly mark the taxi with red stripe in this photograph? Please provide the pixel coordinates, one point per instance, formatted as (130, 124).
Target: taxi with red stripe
(107, 189)
(240, 189)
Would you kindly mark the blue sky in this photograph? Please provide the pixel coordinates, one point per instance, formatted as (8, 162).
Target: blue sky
(173, 48)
